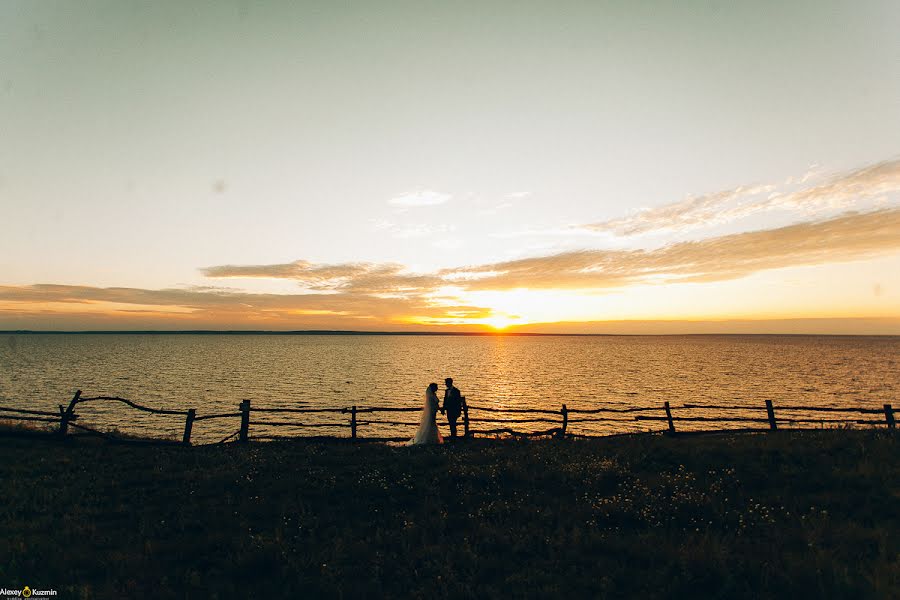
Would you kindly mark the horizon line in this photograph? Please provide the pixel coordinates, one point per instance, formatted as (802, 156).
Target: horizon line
(350, 332)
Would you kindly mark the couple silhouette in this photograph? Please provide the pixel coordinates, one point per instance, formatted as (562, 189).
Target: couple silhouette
(454, 402)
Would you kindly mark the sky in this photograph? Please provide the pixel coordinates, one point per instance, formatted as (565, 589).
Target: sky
(577, 167)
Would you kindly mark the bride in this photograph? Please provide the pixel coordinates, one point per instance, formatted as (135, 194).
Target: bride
(428, 432)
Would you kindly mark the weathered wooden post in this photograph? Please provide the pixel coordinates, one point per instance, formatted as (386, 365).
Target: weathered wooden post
(669, 417)
(245, 420)
(353, 422)
(889, 416)
(565, 423)
(68, 414)
(188, 425)
(770, 410)
(465, 417)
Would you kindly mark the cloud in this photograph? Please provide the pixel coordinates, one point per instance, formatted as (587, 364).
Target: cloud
(363, 278)
(372, 295)
(689, 213)
(192, 308)
(410, 230)
(841, 191)
(838, 192)
(851, 236)
(420, 198)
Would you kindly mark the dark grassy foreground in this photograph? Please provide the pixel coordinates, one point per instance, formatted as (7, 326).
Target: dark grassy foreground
(813, 514)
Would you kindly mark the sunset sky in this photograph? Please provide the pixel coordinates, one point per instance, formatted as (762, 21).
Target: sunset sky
(631, 167)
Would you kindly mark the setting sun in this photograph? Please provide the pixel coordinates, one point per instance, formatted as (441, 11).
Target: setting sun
(499, 322)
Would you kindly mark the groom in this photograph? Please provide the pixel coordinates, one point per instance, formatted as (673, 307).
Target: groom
(453, 403)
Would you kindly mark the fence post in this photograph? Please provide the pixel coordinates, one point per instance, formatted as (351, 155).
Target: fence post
(67, 415)
(245, 420)
(669, 417)
(889, 416)
(565, 423)
(465, 417)
(188, 425)
(353, 422)
(771, 412)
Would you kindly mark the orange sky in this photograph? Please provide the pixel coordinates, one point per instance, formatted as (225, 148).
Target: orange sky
(573, 167)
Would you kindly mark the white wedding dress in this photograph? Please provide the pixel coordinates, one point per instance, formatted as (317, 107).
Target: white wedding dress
(428, 431)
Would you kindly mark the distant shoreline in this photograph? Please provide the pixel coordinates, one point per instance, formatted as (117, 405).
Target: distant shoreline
(429, 333)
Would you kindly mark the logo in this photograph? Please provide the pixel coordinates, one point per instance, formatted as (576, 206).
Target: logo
(26, 592)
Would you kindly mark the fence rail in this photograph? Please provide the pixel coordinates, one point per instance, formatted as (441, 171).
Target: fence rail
(66, 417)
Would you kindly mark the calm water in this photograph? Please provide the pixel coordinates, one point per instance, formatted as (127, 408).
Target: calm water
(212, 373)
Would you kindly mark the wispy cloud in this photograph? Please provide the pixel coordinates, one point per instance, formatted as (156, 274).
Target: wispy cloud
(363, 278)
(348, 294)
(851, 236)
(838, 192)
(189, 308)
(411, 230)
(420, 198)
(690, 213)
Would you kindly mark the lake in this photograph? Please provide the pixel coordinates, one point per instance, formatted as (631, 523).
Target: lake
(213, 373)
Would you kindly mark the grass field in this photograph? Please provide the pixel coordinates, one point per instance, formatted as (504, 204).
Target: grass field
(808, 514)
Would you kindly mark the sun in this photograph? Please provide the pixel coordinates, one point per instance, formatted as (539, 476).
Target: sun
(499, 322)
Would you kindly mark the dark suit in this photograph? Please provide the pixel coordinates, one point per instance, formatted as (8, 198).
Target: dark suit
(453, 404)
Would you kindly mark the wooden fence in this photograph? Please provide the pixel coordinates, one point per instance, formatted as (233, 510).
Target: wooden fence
(560, 419)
